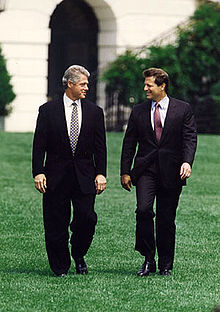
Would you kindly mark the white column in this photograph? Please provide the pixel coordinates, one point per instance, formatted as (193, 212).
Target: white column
(24, 43)
(107, 37)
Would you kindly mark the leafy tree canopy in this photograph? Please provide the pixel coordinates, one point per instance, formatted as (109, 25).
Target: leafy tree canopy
(193, 64)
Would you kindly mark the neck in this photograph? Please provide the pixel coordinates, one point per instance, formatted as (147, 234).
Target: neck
(70, 95)
(160, 97)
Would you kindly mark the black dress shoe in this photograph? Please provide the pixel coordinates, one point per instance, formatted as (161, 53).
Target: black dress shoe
(165, 272)
(81, 267)
(147, 268)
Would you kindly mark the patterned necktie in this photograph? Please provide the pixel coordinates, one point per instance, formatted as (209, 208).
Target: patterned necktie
(74, 128)
(157, 122)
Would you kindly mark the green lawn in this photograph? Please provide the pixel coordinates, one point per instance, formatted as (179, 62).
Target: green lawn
(26, 283)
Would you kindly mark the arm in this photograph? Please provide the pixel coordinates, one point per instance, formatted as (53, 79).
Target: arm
(100, 153)
(38, 153)
(189, 143)
(128, 152)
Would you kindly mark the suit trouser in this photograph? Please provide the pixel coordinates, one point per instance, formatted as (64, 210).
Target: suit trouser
(147, 189)
(57, 219)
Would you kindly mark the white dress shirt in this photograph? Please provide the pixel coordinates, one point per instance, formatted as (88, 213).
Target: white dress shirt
(68, 107)
(164, 103)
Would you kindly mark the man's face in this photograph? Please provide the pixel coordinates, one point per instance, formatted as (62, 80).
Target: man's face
(153, 91)
(78, 90)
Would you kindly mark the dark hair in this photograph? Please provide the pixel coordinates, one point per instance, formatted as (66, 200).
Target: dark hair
(160, 76)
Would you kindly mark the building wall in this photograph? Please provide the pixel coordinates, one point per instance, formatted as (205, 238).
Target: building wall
(25, 35)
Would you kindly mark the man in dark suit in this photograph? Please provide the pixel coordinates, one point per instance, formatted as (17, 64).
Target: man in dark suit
(165, 132)
(69, 165)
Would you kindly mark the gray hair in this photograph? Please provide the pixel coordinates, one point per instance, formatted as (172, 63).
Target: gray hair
(73, 73)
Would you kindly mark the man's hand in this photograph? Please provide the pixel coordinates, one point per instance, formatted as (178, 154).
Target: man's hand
(185, 171)
(126, 182)
(40, 183)
(100, 183)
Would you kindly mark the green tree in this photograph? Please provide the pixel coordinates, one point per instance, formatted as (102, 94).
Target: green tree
(124, 76)
(6, 91)
(193, 64)
(198, 51)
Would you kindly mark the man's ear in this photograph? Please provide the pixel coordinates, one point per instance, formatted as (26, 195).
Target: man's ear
(69, 84)
(163, 86)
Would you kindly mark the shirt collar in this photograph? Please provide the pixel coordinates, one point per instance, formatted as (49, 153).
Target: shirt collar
(68, 102)
(163, 103)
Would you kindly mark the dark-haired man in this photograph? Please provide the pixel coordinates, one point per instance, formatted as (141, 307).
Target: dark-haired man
(165, 132)
(70, 134)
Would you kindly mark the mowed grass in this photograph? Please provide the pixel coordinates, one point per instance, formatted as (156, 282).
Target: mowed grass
(26, 282)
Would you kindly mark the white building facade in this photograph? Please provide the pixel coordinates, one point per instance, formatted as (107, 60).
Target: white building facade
(25, 36)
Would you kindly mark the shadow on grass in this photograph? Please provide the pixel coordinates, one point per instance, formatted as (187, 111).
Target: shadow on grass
(105, 273)
(28, 272)
(48, 273)
(114, 271)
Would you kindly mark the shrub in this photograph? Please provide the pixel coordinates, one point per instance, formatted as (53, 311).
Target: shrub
(124, 75)
(6, 91)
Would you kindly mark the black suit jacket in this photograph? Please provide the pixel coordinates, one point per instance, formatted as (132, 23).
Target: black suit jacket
(177, 144)
(52, 153)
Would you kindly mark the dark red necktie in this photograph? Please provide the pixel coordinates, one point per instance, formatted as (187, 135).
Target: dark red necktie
(157, 122)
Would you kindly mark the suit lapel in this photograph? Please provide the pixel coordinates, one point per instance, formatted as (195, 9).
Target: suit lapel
(170, 116)
(148, 120)
(60, 121)
(149, 113)
(85, 117)
(145, 115)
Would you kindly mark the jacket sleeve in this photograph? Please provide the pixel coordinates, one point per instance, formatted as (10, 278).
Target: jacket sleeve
(100, 150)
(129, 146)
(189, 138)
(39, 144)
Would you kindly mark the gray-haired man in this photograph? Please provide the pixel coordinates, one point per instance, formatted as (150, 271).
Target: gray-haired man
(69, 165)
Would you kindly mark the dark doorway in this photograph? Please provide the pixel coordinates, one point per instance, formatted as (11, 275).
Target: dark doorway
(74, 32)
